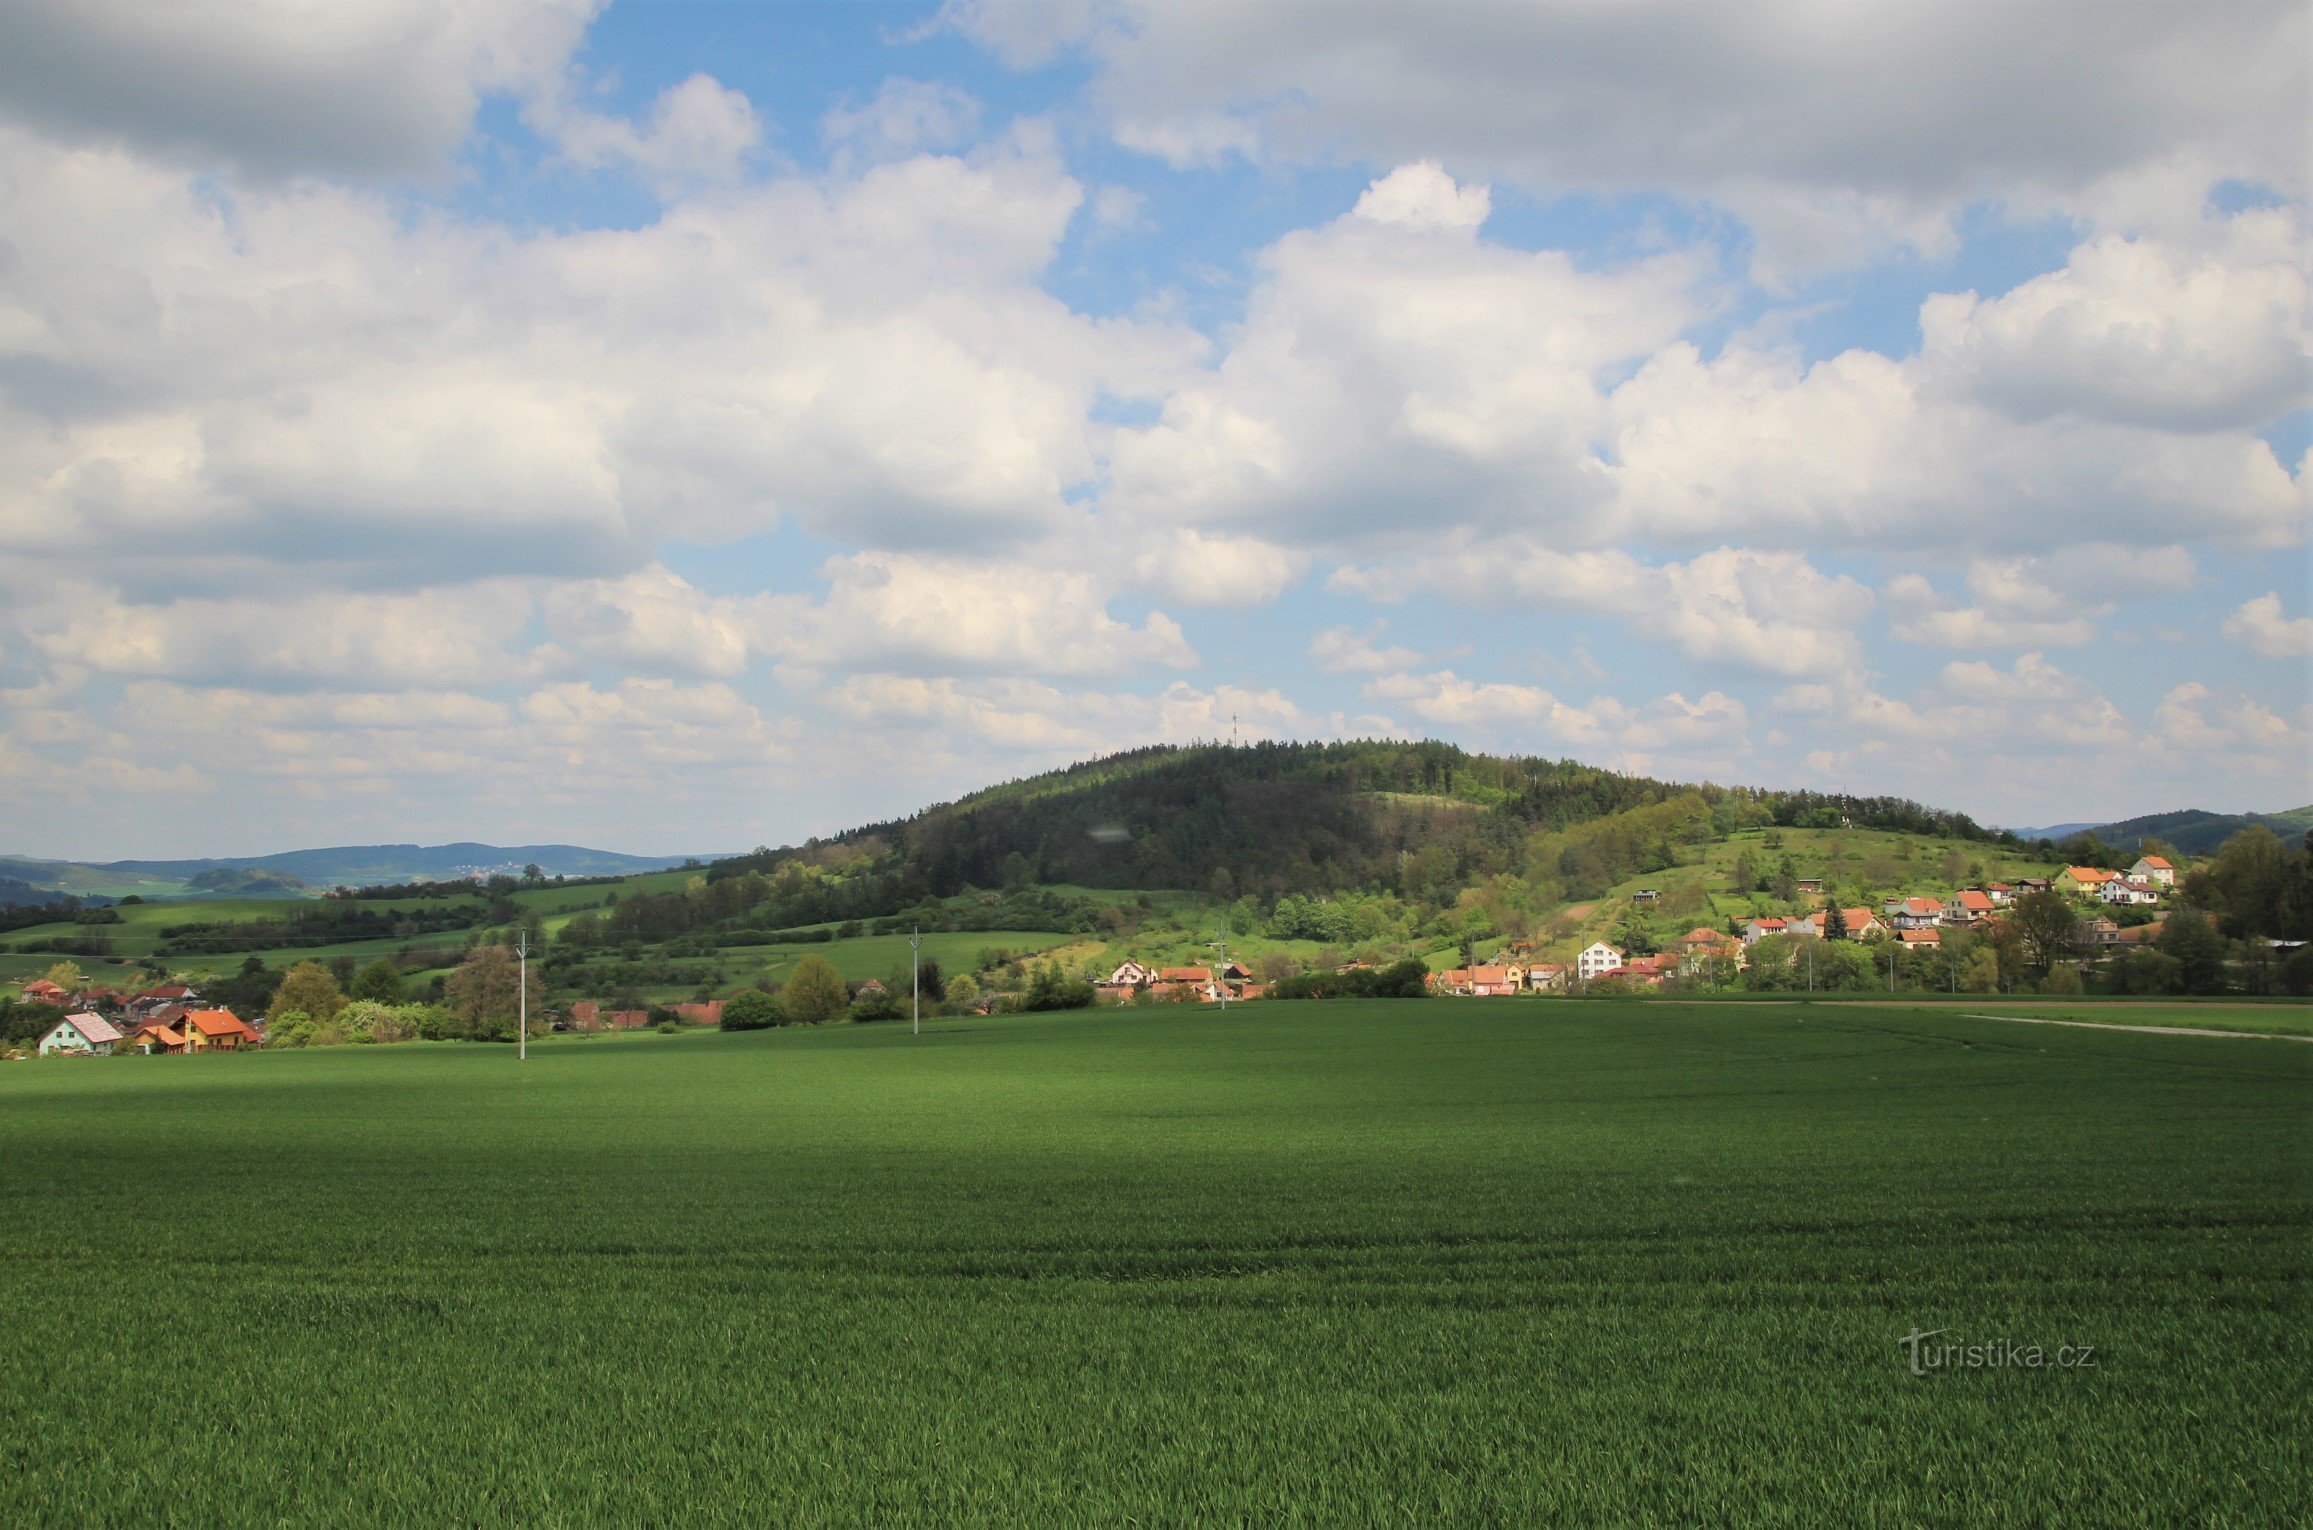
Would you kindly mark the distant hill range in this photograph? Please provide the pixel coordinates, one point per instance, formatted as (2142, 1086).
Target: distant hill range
(2191, 830)
(295, 873)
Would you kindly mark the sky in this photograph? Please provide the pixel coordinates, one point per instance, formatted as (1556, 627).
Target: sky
(682, 427)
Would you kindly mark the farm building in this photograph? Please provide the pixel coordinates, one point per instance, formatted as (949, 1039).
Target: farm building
(79, 1035)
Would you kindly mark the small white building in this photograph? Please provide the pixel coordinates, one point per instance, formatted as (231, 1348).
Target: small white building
(1131, 975)
(2154, 869)
(1597, 957)
(82, 1034)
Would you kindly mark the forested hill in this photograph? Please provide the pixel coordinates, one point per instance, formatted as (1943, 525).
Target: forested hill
(1418, 819)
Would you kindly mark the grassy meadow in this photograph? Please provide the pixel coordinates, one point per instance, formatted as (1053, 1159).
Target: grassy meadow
(1447, 1263)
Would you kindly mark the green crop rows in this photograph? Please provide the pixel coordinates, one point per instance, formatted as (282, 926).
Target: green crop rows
(1425, 1262)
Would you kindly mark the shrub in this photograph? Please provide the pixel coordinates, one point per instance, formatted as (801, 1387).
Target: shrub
(751, 1010)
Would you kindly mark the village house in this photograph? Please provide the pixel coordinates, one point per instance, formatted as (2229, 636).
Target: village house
(153, 1036)
(1702, 948)
(2125, 891)
(2083, 881)
(1647, 895)
(42, 991)
(2000, 893)
(1130, 975)
(1968, 905)
(1913, 913)
(1920, 935)
(217, 1030)
(2154, 869)
(1481, 982)
(1639, 969)
(1810, 886)
(2099, 932)
(144, 1002)
(2028, 885)
(1596, 959)
(1762, 926)
(1546, 977)
(80, 1035)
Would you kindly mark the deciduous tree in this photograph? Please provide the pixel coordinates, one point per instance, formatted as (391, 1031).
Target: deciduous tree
(311, 988)
(381, 982)
(815, 992)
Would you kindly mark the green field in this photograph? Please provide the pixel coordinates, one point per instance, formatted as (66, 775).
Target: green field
(1416, 1262)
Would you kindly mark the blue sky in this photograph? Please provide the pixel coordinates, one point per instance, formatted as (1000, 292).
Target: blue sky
(687, 426)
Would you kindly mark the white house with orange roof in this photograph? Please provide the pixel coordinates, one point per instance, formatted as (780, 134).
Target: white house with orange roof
(2153, 868)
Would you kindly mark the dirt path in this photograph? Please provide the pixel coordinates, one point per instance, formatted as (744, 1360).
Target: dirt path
(2146, 1030)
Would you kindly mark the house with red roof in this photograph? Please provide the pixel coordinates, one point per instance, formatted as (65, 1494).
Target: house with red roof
(80, 1035)
(2155, 869)
(42, 991)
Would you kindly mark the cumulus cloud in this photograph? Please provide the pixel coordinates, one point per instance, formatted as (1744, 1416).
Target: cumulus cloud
(1391, 359)
(699, 131)
(903, 117)
(2259, 626)
(2141, 332)
(1838, 135)
(447, 636)
(652, 620)
(1633, 735)
(2198, 718)
(1044, 721)
(1770, 612)
(1342, 651)
(934, 616)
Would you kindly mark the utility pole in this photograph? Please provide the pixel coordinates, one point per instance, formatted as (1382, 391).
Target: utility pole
(916, 975)
(1891, 969)
(1810, 966)
(522, 997)
(1221, 973)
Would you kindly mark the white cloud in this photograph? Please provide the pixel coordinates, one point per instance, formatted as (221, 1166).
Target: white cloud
(1341, 651)
(934, 616)
(1054, 725)
(1839, 135)
(2196, 718)
(1770, 612)
(2260, 626)
(2141, 332)
(1425, 198)
(445, 636)
(654, 621)
(1199, 568)
(1668, 731)
(699, 131)
(903, 117)
(1392, 359)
